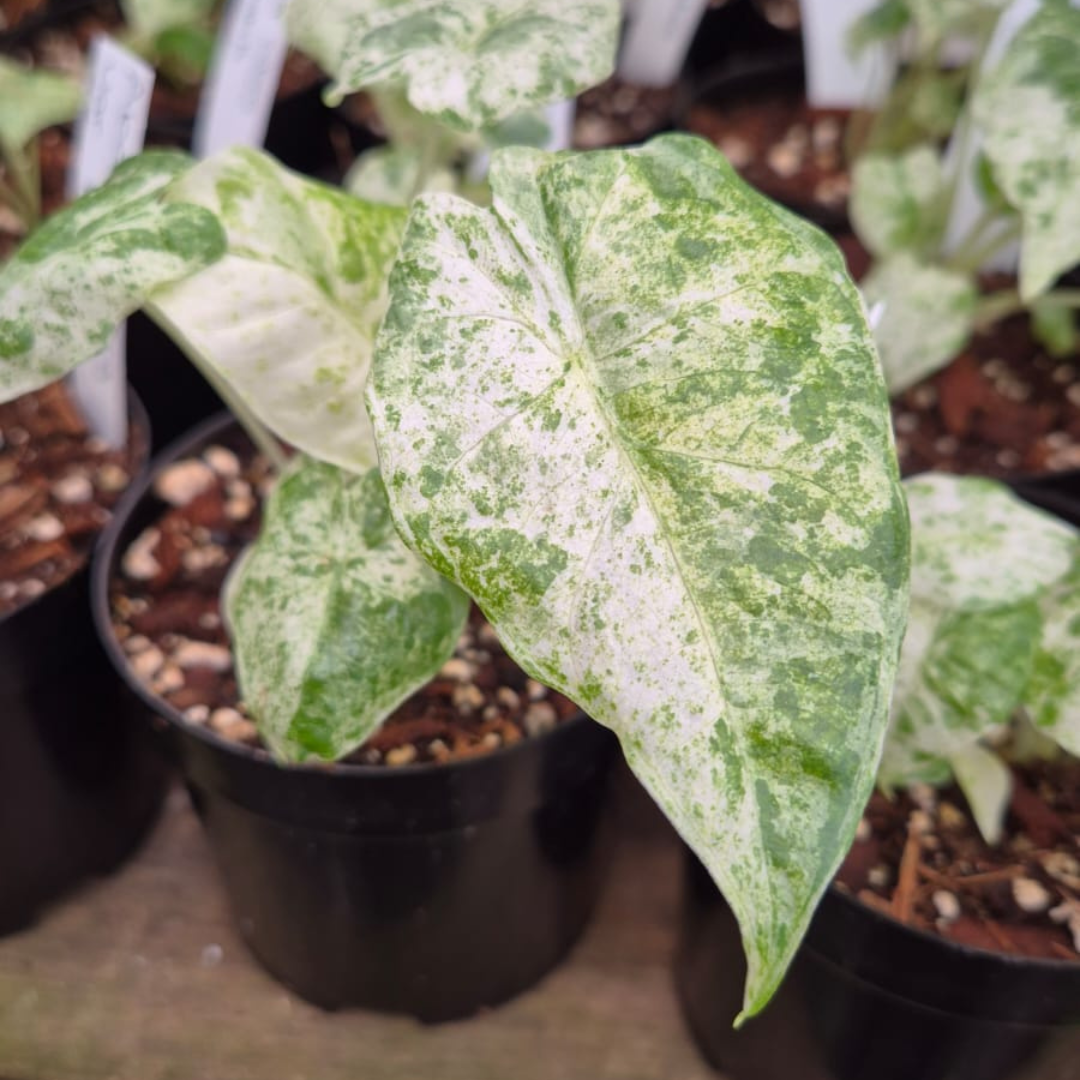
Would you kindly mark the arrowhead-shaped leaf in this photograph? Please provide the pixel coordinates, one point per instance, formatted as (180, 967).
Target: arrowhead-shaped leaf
(92, 264)
(334, 621)
(467, 63)
(928, 317)
(898, 201)
(1029, 110)
(288, 317)
(634, 409)
(31, 101)
(987, 630)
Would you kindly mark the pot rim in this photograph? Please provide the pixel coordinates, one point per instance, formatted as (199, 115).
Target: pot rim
(104, 558)
(137, 418)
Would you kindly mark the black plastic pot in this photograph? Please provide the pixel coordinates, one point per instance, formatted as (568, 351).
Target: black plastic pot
(871, 999)
(760, 76)
(433, 890)
(80, 782)
(1057, 492)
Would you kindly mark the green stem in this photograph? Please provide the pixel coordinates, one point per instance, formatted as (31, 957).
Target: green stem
(1008, 302)
(971, 261)
(22, 171)
(259, 434)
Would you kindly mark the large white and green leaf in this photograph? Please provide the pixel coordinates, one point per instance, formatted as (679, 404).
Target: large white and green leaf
(898, 201)
(467, 63)
(288, 317)
(927, 316)
(1028, 108)
(92, 264)
(32, 100)
(1053, 696)
(634, 409)
(334, 621)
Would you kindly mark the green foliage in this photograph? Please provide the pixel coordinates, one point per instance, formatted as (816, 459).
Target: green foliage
(993, 627)
(635, 411)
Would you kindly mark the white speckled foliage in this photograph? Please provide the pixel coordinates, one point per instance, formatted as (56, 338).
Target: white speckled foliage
(928, 315)
(1029, 110)
(467, 63)
(993, 625)
(288, 316)
(634, 409)
(151, 17)
(92, 264)
(334, 621)
(31, 101)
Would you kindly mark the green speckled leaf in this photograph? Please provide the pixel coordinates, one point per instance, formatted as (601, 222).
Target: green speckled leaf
(634, 409)
(988, 578)
(288, 317)
(1029, 110)
(334, 621)
(928, 316)
(1053, 696)
(467, 63)
(92, 264)
(898, 201)
(151, 17)
(31, 101)
(394, 175)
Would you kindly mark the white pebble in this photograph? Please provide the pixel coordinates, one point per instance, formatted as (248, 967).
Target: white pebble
(111, 477)
(468, 698)
(170, 678)
(878, 876)
(458, 670)
(507, 698)
(179, 484)
(1030, 895)
(946, 905)
(784, 160)
(197, 714)
(44, 527)
(198, 559)
(224, 462)
(863, 831)
(147, 663)
(204, 654)
(221, 720)
(31, 589)
(401, 755)
(539, 717)
(535, 691)
(139, 563)
(73, 488)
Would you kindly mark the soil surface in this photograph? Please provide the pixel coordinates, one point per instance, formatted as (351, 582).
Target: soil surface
(57, 485)
(921, 860)
(781, 146)
(167, 617)
(619, 113)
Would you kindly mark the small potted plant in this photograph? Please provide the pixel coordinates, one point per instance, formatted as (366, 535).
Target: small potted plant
(633, 409)
(1007, 400)
(82, 782)
(949, 946)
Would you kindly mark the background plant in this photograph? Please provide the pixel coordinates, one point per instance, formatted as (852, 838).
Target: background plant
(175, 36)
(30, 101)
(1026, 108)
(993, 639)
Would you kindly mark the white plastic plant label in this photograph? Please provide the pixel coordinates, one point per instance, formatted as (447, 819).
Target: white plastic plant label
(658, 39)
(110, 128)
(964, 149)
(560, 121)
(835, 77)
(243, 79)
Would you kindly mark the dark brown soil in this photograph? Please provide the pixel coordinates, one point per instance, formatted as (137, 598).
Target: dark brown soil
(618, 113)
(781, 146)
(57, 486)
(921, 860)
(167, 618)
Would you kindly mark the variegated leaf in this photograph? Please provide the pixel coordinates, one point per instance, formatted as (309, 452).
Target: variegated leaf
(32, 100)
(988, 578)
(334, 621)
(928, 316)
(1053, 697)
(92, 264)
(394, 175)
(898, 201)
(467, 63)
(976, 546)
(288, 317)
(634, 410)
(150, 17)
(1029, 110)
